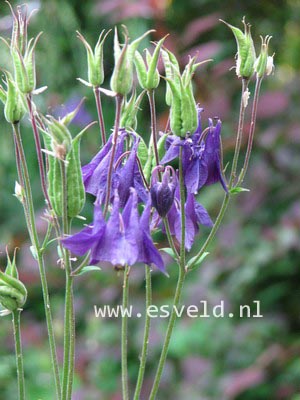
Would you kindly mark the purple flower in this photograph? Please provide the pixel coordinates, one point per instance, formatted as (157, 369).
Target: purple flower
(82, 117)
(162, 193)
(195, 215)
(201, 156)
(125, 175)
(123, 239)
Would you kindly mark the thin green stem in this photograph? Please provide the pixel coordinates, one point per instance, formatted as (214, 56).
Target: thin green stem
(243, 105)
(232, 175)
(252, 130)
(19, 356)
(182, 209)
(119, 99)
(168, 336)
(170, 239)
(69, 328)
(39, 258)
(215, 228)
(100, 114)
(151, 97)
(179, 287)
(124, 334)
(144, 353)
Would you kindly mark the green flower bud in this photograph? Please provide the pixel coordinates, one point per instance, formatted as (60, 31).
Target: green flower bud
(13, 293)
(264, 64)
(148, 75)
(94, 59)
(122, 77)
(14, 102)
(129, 111)
(246, 52)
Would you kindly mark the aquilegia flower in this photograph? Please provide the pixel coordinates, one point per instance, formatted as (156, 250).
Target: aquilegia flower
(195, 215)
(125, 174)
(162, 193)
(201, 156)
(123, 239)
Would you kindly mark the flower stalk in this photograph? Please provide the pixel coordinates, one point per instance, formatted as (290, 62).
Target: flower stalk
(39, 257)
(144, 353)
(124, 335)
(19, 355)
(69, 323)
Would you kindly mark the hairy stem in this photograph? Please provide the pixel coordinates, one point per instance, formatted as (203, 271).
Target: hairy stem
(239, 133)
(124, 335)
(119, 99)
(97, 95)
(252, 130)
(19, 356)
(180, 282)
(144, 353)
(39, 258)
(151, 97)
(69, 323)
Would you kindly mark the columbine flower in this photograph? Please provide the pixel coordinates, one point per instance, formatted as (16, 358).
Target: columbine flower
(195, 215)
(162, 193)
(201, 156)
(124, 175)
(123, 239)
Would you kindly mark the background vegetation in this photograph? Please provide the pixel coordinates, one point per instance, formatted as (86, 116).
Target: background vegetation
(257, 253)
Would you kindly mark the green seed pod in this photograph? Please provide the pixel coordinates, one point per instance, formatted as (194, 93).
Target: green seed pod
(14, 109)
(75, 192)
(24, 66)
(70, 155)
(264, 63)
(172, 72)
(246, 52)
(148, 75)
(94, 59)
(19, 30)
(129, 111)
(13, 293)
(140, 69)
(59, 132)
(122, 78)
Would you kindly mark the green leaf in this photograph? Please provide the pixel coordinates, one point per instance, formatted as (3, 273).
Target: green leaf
(196, 261)
(237, 190)
(88, 268)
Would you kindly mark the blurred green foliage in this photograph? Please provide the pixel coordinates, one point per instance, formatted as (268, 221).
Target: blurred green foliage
(257, 253)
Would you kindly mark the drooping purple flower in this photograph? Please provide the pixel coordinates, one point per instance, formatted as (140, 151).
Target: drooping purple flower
(128, 175)
(125, 174)
(201, 156)
(123, 239)
(195, 215)
(162, 193)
